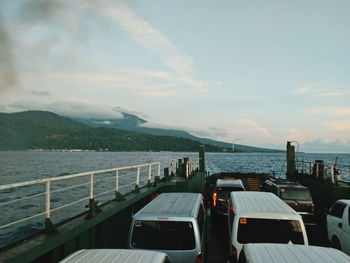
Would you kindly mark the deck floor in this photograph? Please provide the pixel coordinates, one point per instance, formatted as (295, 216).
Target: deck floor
(217, 240)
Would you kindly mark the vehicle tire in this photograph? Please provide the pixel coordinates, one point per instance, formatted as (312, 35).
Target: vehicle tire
(336, 243)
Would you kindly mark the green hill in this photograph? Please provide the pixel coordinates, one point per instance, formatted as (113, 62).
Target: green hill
(131, 122)
(46, 130)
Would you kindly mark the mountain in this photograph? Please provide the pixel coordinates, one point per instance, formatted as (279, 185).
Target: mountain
(132, 122)
(47, 130)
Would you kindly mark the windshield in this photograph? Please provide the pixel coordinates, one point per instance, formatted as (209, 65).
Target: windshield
(225, 191)
(163, 235)
(295, 194)
(252, 230)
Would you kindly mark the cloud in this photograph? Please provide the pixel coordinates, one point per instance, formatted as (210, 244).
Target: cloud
(8, 65)
(72, 108)
(320, 90)
(342, 111)
(211, 132)
(334, 111)
(322, 146)
(339, 125)
(251, 126)
(127, 81)
(306, 89)
(41, 92)
(150, 38)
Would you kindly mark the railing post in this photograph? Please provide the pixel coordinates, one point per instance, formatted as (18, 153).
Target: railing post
(93, 208)
(290, 161)
(48, 199)
(157, 177)
(187, 169)
(118, 195)
(49, 226)
(137, 188)
(201, 158)
(91, 186)
(149, 175)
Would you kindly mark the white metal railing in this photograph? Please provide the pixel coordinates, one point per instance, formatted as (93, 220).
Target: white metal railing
(142, 173)
(334, 172)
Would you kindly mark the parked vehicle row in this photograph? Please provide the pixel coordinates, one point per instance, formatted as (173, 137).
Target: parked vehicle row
(262, 229)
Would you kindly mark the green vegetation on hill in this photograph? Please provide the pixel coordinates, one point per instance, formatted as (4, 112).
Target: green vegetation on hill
(46, 130)
(131, 122)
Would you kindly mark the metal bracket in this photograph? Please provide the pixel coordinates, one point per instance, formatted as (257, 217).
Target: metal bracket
(93, 208)
(50, 227)
(119, 196)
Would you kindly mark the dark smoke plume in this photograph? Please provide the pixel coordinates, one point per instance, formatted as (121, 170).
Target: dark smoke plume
(41, 10)
(31, 11)
(8, 75)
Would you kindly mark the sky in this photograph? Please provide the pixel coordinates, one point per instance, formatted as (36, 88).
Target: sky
(248, 72)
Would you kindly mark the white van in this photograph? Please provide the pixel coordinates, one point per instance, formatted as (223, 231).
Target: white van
(261, 217)
(172, 223)
(338, 225)
(116, 256)
(290, 253)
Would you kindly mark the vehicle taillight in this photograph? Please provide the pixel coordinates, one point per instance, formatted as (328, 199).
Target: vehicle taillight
(234, 254)
(199, 258)
(214, 198)
(232, 209)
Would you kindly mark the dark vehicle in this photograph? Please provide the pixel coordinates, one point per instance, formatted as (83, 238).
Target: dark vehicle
(221, 195)
(295, 195)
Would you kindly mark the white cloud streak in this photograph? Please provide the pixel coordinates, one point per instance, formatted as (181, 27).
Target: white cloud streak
(150, 38)
(340, 125)
(320, 90)
(69, 108)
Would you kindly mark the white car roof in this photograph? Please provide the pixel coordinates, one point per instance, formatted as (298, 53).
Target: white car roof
(290, 253)
(115, 256)
(261, 204)
(229, 183)
(172, 205)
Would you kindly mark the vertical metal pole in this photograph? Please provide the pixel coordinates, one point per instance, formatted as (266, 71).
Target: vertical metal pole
(48, 199)
(138, 176)
(202, 158)
(187, 166)
(91, 186)
(149, 172)
(310, 168)
(117, 180)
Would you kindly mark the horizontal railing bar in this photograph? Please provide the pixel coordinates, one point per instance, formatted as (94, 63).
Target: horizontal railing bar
(105, 192)
(53, 179)
(142, 180)
(22, 220)
(104, 179)
(70, 187)
(125, 185)
(21, 199)
(66, 205)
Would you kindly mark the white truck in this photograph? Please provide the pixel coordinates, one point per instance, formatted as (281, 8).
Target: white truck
(338, 225)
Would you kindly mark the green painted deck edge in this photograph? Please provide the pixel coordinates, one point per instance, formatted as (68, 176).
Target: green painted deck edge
(69, 233)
